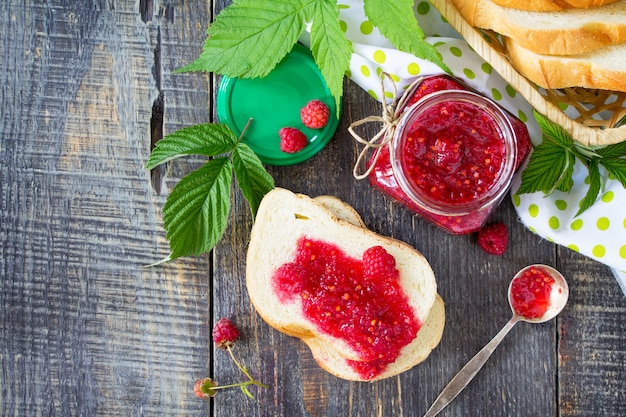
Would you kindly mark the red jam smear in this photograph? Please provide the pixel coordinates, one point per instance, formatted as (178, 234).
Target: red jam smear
(382, 175)
(357, 300)
(451, 154)
(530, 293)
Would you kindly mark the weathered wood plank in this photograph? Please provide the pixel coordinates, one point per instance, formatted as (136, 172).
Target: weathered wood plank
(592, 351)
(86, 329)
(85, 89)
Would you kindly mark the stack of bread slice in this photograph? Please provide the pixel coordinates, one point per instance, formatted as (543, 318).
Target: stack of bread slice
(561, 43)
(282, 219)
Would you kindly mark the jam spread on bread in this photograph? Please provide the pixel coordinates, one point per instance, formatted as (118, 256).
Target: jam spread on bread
(357, 300)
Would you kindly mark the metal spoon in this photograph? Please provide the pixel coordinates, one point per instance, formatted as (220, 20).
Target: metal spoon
(558, 299)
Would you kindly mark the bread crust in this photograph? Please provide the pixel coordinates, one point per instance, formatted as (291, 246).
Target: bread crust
(592, 70)
(552, 5)
(283, 217)
(566, 32)
(342, 210)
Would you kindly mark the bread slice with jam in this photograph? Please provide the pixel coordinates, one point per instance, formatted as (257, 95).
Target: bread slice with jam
(365, 304)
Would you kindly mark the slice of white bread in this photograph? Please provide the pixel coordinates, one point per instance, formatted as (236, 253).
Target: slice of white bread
(552, 5)
(565, 32)
(601, 69)
(283, 217)
(341, 209)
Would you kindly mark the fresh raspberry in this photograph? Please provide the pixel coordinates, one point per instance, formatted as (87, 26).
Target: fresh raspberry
(225, 333)
(292, 140)
(494, 238)
(314, 114)
(377, 261)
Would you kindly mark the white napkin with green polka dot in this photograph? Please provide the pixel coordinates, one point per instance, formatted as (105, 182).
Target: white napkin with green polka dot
(599, 233)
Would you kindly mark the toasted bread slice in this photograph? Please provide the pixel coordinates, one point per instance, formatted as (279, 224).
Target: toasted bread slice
(282, 219)
(565, 32)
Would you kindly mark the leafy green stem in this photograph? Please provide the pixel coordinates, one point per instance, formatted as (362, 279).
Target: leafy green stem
(249, 38)
(196, 212)
(245, 129)
(243, 369)
(551, 164)
(240, 384)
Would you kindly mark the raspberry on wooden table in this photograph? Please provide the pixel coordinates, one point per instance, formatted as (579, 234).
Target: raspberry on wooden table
(494, 238)
(225, 333)
(204, 388)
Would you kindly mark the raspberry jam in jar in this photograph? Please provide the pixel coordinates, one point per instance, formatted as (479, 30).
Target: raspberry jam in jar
(453, 156)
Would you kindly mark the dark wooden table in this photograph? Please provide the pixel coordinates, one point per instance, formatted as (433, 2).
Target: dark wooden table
(87, 330)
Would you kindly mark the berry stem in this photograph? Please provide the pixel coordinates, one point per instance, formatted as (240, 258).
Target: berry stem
(242, 385)
(243, 369)
(245, 128)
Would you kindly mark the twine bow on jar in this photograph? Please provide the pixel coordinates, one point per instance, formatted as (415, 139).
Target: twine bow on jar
(391, 116)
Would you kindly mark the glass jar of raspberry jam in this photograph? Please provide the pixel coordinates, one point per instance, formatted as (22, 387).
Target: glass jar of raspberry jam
(452, 157)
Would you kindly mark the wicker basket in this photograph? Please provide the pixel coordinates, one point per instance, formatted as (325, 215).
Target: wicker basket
(598, 112)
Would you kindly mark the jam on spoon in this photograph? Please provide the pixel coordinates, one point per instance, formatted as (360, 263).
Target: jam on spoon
(537, 294)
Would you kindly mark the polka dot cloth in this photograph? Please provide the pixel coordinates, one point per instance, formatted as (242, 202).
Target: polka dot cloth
(599, 233)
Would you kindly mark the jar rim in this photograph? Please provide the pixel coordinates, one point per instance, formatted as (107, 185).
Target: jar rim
(506, 133)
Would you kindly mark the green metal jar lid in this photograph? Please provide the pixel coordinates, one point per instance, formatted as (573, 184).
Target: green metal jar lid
(273, 102)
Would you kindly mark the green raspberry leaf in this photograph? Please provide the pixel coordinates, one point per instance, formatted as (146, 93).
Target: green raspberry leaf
(195, 214)
(596, 183)
(253, 179)
(330, 47)
(250, 37)
(204, 139)
(613, 151)
(396, 21)
(566, 182)
(552, 131)
(616, 167)
(549, 167)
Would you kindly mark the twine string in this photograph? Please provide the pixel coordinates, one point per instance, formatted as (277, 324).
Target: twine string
(390, 117)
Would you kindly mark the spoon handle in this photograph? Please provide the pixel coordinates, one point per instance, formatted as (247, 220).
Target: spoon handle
(467, 373)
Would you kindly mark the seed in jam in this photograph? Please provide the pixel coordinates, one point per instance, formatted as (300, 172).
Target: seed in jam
(357, 300)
